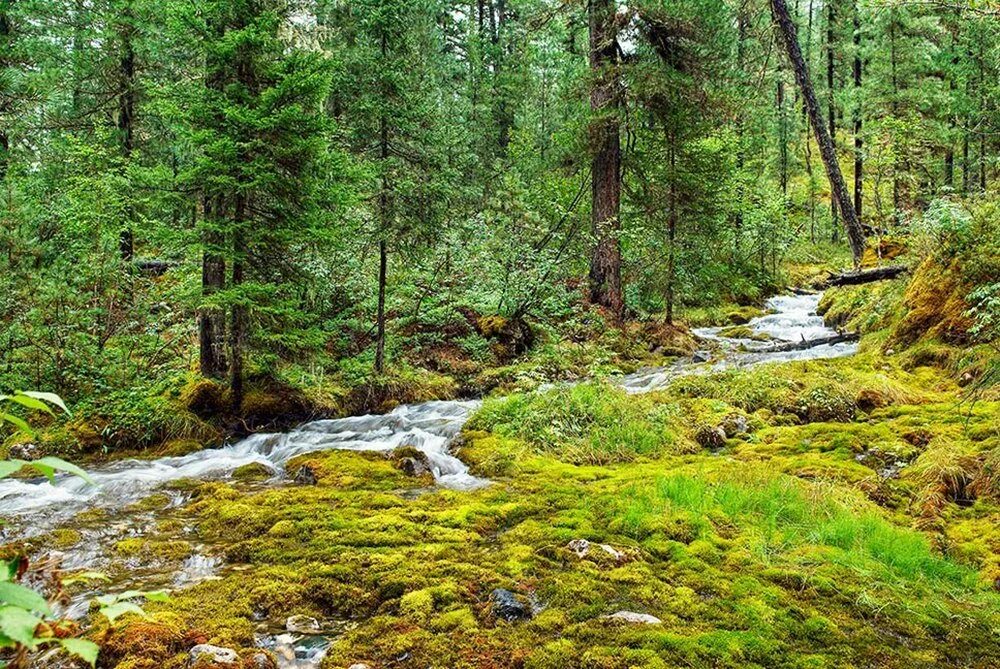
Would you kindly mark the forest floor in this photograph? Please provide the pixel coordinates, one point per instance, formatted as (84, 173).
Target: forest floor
(845, 515)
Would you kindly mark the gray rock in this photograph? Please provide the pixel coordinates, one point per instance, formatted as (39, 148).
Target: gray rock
(710, 437)
(215, 654)
(506, 606)
(734, 425)
(306, 475)
(359, 665)
(701, 356)
(302, 625)
(29, 451)
(262, 661)
(582, 548)
(411, 461)
(634, 618)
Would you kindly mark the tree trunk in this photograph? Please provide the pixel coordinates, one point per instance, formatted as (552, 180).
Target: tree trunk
(605, 263)
(505, 120)
(965, 159)
(808, 141)
(383, 215)
(380, 319)
(126, 124)
(858, 141)
(6, 39)
(782, 137)
(894, 105)
(671, 230)
(855, 235)
(238, 312)
(211, 320)
(830, 102)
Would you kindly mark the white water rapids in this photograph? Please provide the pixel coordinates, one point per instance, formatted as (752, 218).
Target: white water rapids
(429, 427)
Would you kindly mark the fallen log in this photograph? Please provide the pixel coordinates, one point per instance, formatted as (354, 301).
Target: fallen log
(153, 267)
(865, 276)
(838, 338)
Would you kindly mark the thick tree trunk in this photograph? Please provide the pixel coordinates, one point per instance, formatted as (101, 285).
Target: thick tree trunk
(605, 263)
(238, 312)
(865, 276)
(855, 235)
(126, 124)
(211, 320)
(858, 141)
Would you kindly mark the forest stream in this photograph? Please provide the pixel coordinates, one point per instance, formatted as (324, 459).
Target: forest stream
(122, 487)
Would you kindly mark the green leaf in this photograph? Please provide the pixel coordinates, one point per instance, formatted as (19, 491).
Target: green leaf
(83, 649)
(32, 403)
(85, 577)
(9, 568)
(115, 611)
(51, 398)
(16, 422)
(25, 598)
(8, 467)
(19, 625)
(49, 464)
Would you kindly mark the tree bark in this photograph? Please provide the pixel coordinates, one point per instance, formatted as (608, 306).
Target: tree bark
(671, 230)
(383, 214)
(126, 123)
(6, 39)
(830, 102)
(211, 320)
(605, 263)
(238, 312)
(858, 140)
(380, 319)
(865, 276)
(855, 235)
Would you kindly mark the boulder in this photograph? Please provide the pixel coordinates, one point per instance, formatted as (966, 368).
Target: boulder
(708, 436)
(734, 425)
(302, 625)
(507, 606)
(359, 665)
(261, 661)
(306, 475)
(410, 461)
(255, 471)
(213, 654)
(582, 548)
(701, 356)
(633, 618)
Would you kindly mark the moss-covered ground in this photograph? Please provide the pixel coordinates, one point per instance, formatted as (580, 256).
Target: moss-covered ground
(848, 521)
(837, 513)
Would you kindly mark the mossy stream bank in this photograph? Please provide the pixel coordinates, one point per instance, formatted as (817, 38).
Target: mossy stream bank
(792, 515)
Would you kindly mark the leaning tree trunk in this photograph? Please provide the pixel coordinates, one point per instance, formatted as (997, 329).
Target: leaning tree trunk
(605, 263)
(855, 235)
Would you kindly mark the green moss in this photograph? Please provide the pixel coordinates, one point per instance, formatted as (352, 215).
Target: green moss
(255, 471)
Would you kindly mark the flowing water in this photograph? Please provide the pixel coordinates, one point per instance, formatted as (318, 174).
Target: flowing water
(34, 506)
